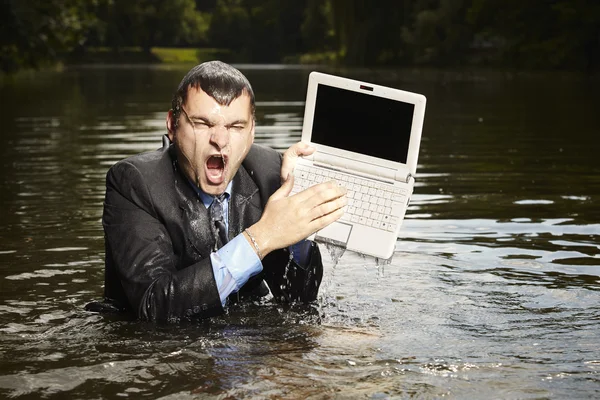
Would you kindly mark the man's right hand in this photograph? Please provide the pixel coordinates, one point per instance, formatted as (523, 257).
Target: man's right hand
(287, 220)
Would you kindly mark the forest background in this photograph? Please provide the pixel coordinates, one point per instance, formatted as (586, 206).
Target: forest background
(533, 34)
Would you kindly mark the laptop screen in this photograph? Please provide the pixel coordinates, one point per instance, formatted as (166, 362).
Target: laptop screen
(362, 123)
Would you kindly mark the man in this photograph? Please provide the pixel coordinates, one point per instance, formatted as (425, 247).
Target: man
(206, 220)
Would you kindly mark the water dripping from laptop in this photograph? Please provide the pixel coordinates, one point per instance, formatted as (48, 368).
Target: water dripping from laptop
(329, 302)
(335, 252)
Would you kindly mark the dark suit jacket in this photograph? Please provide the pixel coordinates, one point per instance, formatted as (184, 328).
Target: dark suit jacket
(158, 239)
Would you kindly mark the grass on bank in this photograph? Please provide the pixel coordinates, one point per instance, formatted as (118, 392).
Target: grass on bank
(171, 55)
(177, 55)
(159, 55)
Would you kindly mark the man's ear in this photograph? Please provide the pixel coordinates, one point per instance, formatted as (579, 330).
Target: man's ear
(170, 125)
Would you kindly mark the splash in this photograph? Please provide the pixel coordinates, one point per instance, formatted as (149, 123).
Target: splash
(325, 300)
(332, 305)
(336, 252)
(381, 263)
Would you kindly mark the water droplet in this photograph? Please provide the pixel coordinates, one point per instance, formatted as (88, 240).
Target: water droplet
(336, 252)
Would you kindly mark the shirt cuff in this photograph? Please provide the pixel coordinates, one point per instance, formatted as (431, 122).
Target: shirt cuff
(238, 259)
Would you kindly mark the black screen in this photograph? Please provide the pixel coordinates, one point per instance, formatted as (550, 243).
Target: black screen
(362, 123)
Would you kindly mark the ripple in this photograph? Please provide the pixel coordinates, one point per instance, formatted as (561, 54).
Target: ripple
(67, 249)
(45, 318)
(66, 379)
(578, 198)
(490, 293)
(43, 273)
(534, 202)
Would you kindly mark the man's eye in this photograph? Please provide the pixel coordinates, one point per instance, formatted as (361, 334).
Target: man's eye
(237, 127)
(200, 124)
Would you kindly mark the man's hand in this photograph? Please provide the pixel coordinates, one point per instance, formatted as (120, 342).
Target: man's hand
(287, 220)
(291, 156)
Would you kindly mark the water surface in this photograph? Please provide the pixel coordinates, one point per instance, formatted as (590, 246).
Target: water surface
(493, 291)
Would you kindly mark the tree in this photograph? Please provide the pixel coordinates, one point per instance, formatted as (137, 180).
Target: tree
(369, 32)
(316, 28)
(148, 23)
(38, 32)
(258, 30)
(541, 33)
(439, 33)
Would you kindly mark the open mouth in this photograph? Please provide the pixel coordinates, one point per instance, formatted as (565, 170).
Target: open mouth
(215, 167)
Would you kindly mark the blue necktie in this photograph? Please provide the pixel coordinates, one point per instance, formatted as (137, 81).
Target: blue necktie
(217, 217)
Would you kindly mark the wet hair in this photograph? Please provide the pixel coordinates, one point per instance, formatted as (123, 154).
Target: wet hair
(219, 80)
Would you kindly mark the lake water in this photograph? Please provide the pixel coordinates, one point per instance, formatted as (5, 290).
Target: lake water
(493, 290)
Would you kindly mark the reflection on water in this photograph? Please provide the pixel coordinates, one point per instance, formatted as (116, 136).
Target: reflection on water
(493, 291)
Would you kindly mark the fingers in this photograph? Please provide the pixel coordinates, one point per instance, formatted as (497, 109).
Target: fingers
(299, 149)
(321, 193)
(320, 202)
(291, 156)
(288, 219)
(303, 149)
(320, 223)
(329, 207)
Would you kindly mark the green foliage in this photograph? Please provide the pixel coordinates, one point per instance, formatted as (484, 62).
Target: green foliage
(258, 30)
(541, 33)
(230, 26)
(546, 34)
(147, 23)
(316, 31)
(36, 32)
(439, 34)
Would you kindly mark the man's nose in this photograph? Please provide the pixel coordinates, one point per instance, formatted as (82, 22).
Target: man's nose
(219, 136)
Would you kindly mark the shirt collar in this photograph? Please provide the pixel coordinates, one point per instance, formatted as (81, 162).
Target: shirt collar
(207, 199)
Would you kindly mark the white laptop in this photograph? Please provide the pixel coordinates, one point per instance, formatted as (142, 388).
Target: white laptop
(367, 139)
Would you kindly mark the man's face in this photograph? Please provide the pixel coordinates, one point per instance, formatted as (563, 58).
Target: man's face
(212, 140)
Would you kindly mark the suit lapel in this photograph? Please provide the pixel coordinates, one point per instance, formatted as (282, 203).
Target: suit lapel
(194, 215)
(245, 205)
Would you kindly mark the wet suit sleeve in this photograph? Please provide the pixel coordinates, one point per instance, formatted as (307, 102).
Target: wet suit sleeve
(301, 252)
(290, 281)
(143, 260)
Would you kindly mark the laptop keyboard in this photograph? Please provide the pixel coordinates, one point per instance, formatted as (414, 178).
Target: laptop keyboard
(370, 202)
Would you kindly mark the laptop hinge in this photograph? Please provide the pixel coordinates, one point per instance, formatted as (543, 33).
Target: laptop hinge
(362, 168)
(404, 175)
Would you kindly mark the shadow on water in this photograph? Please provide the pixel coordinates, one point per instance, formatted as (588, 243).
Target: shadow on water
(493, 290)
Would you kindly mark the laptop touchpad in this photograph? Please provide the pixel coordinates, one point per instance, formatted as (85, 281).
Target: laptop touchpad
(336, 233)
